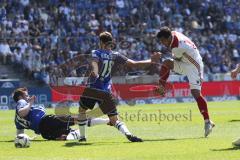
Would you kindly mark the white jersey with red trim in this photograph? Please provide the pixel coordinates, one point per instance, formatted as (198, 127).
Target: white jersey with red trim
(188, 61)
(184, 49)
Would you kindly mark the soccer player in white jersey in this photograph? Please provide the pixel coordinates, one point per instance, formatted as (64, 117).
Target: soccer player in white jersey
(234, 74)
(186, 61)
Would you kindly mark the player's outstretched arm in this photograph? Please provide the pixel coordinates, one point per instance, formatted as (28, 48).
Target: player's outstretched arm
(145, 63)
(139, 64)
(235, 71)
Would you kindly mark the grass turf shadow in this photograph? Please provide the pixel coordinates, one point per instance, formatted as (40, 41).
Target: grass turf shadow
(73, 144)
(170, 139)
(234, 120)
(226, 149)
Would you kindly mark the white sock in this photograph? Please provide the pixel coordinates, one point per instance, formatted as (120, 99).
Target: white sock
(82, 128)
(122, 128)
(97, 121)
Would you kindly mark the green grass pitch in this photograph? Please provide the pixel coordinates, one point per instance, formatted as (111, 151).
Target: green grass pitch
(180, 138)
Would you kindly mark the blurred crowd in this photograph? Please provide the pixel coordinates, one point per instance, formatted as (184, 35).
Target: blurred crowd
(38, 36)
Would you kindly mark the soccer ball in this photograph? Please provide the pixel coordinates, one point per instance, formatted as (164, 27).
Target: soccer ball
(22, 141)
(73, 135)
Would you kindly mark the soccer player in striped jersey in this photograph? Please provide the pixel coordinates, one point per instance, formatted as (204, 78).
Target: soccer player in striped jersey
(186, 61)
(51, 127)
(99, 85)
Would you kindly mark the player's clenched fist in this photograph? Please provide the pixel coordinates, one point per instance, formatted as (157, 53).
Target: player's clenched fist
(155, 57)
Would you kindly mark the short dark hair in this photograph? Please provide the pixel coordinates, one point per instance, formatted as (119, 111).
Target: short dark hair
(165, 32)
(105, 37)
(18, 92)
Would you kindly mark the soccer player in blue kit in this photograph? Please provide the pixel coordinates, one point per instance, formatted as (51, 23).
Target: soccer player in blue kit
(51, 127)
(98, 89)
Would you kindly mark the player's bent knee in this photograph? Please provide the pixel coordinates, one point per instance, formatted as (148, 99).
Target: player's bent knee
(168, 63)
(108, 106)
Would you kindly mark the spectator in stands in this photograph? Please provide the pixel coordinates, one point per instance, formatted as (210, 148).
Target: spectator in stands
(17, 57)
(37, 67)
(93, 23)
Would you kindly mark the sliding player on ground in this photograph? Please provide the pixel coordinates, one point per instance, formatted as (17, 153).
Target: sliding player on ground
(51, 127)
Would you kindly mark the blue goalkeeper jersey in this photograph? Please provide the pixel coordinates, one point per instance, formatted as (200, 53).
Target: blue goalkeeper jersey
(105, 59)
(32, 120)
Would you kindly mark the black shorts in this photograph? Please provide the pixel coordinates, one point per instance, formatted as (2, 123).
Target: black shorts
(105, 100)
(52, 127)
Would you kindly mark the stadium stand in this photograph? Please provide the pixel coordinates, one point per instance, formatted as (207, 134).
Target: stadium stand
(37, 36)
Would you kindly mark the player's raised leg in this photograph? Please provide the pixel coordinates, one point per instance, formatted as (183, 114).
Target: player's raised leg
(164, 74)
